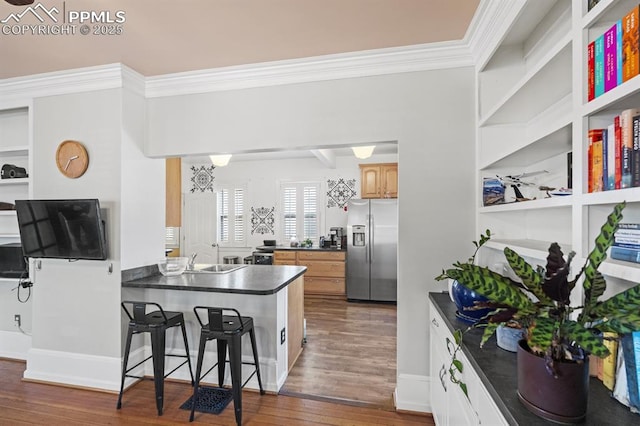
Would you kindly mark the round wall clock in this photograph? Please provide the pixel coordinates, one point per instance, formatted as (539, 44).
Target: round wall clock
(72, 159)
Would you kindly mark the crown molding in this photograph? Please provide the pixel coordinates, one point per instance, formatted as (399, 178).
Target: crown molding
(489, 25)
(320, 68)
(133, 81)
(78, 80)
(486, 29)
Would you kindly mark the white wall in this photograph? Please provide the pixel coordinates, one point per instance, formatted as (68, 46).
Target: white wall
(70, 298)
(142, 190)
(76, 305)
(429, 113)
(263, 178)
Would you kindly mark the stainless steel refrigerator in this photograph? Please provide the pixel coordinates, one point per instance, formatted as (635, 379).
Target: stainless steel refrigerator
(372, 247)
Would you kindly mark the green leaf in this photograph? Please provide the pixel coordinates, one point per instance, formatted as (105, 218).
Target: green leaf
(458, 364)
(463, 386)
(621, 326)
(602, 244)
(530, 277)
(540, 333)
(457, 335)
(627, 301)
(598, 287)
(493, 286)
(585, 338)
(488, 332)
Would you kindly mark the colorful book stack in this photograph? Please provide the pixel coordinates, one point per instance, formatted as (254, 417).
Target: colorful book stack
(630, 346)
(626, 245)
(614, 154)
(612, 58)
(627, 380)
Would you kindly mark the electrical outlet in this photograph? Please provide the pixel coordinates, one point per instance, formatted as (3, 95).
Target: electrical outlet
(17, 319)
(283, 336)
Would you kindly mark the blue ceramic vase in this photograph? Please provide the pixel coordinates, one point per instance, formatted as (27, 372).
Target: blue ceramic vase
(465, 298)
(507, 338)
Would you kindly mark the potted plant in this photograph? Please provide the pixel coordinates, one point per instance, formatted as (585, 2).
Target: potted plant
(553, 373)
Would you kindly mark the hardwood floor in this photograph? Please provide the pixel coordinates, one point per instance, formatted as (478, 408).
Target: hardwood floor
(350, 354)
(25, 403)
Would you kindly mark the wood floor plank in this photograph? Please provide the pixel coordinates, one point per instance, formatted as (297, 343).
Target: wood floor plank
(350, 353)
(28, 403)
(345, 376)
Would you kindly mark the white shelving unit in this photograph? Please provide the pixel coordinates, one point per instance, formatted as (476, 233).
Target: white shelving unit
(15, 148)
(532, 111)
(525, 124)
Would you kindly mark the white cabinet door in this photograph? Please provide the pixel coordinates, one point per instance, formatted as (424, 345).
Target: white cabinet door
(439, 381)
(461, 412)
(450, 406)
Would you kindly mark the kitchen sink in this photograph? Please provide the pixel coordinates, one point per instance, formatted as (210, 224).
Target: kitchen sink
(214, 269)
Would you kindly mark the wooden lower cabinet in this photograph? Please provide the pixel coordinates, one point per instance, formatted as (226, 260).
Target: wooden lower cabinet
(323, 269)
(325, 286)
(325, 276)
(295, 320)
(284, 257)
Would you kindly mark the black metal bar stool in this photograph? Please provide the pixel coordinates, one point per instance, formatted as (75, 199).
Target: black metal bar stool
(228, 331)
(156, 323)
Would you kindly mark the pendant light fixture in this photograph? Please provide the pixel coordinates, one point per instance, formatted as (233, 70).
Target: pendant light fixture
(220, 160)
(363, 152)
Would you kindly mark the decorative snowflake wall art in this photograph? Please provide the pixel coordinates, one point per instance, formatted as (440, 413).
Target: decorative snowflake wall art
(262, 220)
(340, 191)
(202, 178)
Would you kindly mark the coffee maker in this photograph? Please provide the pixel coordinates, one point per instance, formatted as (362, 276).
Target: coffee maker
(338, 237)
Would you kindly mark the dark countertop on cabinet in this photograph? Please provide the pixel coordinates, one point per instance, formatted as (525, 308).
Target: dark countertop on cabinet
(497, 371)
(250, 279)
(289, 248)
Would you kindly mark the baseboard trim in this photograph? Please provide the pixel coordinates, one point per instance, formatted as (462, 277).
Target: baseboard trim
(413, 393)
(14, 345)
(66, 368)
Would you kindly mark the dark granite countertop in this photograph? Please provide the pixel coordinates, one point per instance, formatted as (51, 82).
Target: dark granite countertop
(289, 248)
(250, 279)
(497, 371)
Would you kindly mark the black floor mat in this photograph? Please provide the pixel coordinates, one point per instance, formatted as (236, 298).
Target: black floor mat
(210, 400)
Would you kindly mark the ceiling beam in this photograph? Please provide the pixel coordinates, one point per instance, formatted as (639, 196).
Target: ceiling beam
(326, 157)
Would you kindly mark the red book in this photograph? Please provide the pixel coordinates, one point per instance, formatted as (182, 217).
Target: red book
(618, 148)
(595, 160)
(591, 92)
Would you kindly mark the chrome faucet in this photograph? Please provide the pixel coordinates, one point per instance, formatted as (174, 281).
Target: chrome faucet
(191, 262)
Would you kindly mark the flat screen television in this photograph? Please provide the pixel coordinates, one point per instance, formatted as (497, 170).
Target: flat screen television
(61, 229)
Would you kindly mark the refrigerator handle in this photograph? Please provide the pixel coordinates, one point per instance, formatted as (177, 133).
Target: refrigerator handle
(371, 238)
(367, 243)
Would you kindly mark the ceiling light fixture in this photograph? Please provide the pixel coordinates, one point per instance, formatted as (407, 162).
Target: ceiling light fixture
(220, 160)
(363, 152)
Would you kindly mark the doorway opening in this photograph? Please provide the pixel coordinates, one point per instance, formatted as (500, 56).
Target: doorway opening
(349, 355)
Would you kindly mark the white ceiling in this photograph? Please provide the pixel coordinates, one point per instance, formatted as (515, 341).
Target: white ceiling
(160, 37)
(386, 148)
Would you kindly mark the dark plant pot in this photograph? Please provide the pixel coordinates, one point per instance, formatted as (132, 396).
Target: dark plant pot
(563, 399)
(465, 299)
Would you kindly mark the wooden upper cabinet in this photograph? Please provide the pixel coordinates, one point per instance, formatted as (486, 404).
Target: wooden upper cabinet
(379, 180)
(174, 192)
(389, 173)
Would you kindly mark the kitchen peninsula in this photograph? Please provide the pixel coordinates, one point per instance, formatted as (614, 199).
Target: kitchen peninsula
(272, 295)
